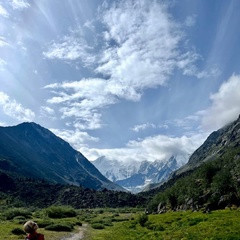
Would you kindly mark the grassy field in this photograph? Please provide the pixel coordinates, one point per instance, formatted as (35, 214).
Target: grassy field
(222, 224)
(123, 224)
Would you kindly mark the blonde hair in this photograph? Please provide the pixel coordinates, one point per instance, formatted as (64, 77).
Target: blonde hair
(30, 226)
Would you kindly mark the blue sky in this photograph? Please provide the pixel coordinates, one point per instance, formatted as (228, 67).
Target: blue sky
(130, 80)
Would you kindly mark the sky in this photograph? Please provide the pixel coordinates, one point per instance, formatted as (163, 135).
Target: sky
(128, 80)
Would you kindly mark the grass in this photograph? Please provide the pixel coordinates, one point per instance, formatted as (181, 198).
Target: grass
(222, 224)
(127, 224)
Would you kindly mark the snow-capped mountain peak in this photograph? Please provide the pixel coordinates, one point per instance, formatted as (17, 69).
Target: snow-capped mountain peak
(134, 176)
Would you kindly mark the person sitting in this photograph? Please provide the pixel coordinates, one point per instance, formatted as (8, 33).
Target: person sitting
(30, 228)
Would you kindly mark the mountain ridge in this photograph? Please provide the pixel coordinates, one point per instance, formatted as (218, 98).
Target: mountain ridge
(213, 146)
(29, 149)
(136, 176)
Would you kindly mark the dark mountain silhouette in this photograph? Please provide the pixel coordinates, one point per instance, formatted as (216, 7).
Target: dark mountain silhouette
(32, 151)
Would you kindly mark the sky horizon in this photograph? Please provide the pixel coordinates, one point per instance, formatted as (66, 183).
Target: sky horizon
(129, 80)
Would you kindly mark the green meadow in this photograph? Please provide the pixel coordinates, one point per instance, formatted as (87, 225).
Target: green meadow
(122, 224)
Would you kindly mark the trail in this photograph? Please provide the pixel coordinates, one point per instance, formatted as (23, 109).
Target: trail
(76, 236)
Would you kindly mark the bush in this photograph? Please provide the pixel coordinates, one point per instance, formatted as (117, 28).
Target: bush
(44, 223)
(142, 219)
(133, 225)
(107, 222)
(159, 227)
(97, 226)
(17, 231)
(59, 227)
(19, 219)
(60, 212)
(79, 223)
(16, 212)
(154, 227)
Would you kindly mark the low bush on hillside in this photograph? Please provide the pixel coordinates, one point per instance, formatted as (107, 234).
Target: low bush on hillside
(16, 212)
(97, 226)
(143, 218)
(60, 227)
(60, 212)
(19, 219)
(42, 223)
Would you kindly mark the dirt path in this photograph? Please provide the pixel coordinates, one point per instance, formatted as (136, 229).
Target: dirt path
(77, 236)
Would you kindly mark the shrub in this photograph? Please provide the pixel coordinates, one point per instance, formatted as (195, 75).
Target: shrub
(107, 222)
(60, 212)
(133, 225)
(100, 211)
(20, 219)
(59, 227)
(79, 223)
(97, 226)
(159, 227)
(142, 219)
(16, 212)
(44, 223)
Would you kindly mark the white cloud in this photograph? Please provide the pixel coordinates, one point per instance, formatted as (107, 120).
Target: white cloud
(4, 98)
(3, 43)
(190, 21)
(135, 52)
(141, 127)
(3, 124)
(225, 106)
(19, 4)
(77, 139)
(145, 49)
(15, 109)
(47, 112)
(159, 147)
(2, 62)
(82, 99)
(70, 48)
(3, 12)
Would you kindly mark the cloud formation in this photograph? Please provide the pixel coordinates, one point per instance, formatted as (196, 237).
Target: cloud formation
(19, 4)
(135, 52)
(159, 147)
(77, 139)
(14, 109)
(141, 127)
(71, 47)
(225, 106)
(3, 12)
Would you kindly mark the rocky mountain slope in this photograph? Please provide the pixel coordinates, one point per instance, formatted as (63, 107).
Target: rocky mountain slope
(32, 151)
(210, 180)
(214, 147)
(135, 176)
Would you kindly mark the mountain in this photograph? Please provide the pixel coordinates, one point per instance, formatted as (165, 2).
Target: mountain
(33, 151)
(210, 180)
(135, 176)
(215, 146)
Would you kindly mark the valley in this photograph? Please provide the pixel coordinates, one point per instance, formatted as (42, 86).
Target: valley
(197, 198)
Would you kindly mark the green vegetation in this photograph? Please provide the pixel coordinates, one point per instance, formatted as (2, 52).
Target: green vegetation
(214, 185)
(25, 192)
(128, 224)
(220, 224)
(200, 204)
(60, 212)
